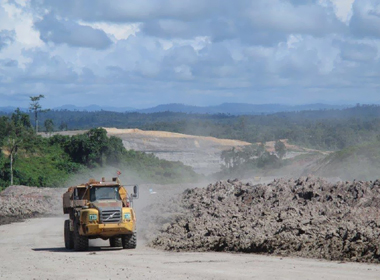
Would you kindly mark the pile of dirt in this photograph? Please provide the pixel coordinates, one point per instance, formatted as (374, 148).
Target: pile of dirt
(306, 217)
(21, 202)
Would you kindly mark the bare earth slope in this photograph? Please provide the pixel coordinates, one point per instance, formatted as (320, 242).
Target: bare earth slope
(201, 153)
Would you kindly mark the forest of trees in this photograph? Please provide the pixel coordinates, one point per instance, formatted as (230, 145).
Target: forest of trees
(320, 129)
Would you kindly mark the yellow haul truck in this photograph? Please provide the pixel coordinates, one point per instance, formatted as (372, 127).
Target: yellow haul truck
(99, 210)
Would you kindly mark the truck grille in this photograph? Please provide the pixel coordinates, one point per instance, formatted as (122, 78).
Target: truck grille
(111, 216)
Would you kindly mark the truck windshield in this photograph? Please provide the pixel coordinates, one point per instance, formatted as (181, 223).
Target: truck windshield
(104, 193)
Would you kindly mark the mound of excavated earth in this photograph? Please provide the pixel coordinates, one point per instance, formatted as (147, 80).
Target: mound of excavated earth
(307, 217)
(20, 202)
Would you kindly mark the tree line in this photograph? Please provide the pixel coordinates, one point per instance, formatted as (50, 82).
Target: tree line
(321, 129)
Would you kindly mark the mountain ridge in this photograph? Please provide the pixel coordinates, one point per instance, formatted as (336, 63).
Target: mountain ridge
(224, 108)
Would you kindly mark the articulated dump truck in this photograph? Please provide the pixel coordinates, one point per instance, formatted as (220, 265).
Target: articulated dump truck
(99, 210)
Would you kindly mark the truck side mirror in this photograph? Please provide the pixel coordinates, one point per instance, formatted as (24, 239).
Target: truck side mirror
(136, 191)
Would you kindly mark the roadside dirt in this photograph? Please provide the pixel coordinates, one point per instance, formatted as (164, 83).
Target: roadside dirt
(21, 202)
(34, 249)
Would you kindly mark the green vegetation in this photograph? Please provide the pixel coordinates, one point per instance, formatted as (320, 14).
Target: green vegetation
(95, 150)
(322, 129)
(29, 159)
(36, 108)
(361, 162)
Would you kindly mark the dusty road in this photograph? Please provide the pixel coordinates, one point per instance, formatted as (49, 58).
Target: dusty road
(34, 250)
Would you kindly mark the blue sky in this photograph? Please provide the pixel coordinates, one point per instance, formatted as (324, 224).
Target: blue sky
(148, 52)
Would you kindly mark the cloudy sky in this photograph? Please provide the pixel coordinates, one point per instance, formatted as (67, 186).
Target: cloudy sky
(148, 52)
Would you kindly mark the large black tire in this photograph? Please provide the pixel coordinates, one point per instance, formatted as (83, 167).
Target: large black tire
(69, 236)
(80, 242)
(115, 242)
(129, 241)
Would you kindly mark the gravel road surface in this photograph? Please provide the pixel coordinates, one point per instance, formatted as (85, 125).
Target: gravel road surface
(34, 249)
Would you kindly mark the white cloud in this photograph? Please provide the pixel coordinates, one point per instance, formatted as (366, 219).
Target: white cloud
(144, 52)
(119, 31)
(343, 9)
(16, 18)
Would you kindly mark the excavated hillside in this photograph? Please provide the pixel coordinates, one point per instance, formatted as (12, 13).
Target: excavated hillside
(199, 152)
(307, 217)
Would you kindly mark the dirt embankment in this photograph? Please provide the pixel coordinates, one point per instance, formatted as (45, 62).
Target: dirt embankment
(21, 202)
(307, 217)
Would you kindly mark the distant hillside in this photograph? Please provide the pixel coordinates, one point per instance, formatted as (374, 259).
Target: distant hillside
(69, 107)
(225, 108)
(238, 108)
(94, 108)
(10, 109)
(360, 162)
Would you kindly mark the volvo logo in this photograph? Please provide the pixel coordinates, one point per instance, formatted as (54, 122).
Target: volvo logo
(111, 216)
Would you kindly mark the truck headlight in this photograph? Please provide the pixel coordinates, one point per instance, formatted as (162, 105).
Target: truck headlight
(127, 216)
(93, 217)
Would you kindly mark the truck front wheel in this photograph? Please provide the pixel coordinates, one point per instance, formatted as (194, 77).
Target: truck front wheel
(129, 241)
(80, 242)
(69, 236)
(115, 242)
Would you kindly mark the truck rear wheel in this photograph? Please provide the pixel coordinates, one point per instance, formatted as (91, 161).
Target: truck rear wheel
(129, 241)
(80, 242)
(69, 236)
(115, 242)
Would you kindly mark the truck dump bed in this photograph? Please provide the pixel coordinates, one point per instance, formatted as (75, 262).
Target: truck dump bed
(72, 202)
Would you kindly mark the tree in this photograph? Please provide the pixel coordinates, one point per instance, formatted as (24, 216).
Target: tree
(21, 119)
(63, 126)
(280, 148)
(49, 126)
(11, 146)
(36, 108)
(93, 148)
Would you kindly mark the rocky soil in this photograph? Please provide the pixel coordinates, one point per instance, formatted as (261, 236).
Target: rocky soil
(21, 202)
(306, 217)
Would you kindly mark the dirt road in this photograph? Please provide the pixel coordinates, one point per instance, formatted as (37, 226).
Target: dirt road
(34, 250)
